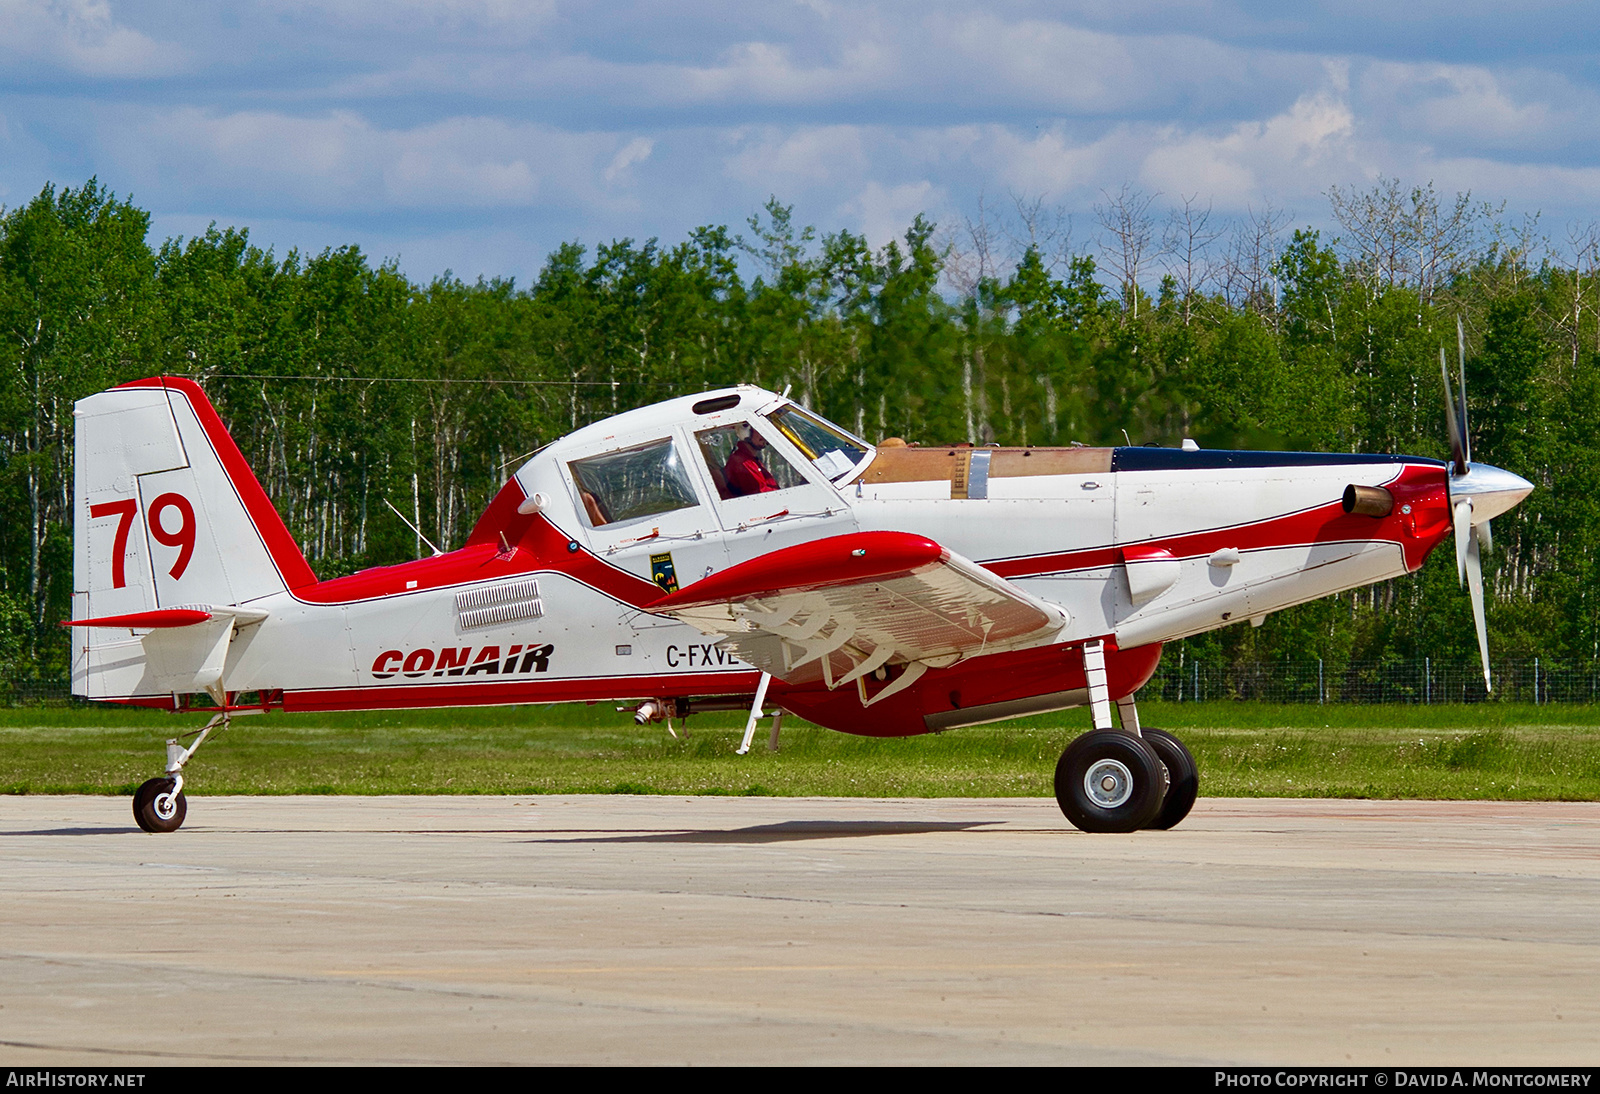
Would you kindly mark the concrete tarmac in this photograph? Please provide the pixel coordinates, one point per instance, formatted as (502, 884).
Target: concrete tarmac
(654, 930)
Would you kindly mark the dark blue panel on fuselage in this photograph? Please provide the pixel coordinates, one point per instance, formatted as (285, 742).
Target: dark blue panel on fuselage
(1176, 459)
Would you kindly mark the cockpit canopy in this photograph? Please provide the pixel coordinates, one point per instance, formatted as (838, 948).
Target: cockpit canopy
(724, 445)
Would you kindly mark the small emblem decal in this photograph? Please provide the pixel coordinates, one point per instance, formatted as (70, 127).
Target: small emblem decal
(662, 572)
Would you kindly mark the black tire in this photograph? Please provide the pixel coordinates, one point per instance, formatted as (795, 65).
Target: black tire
(1130, 782)
(1183, 777)
(142, 798)
(147, 813)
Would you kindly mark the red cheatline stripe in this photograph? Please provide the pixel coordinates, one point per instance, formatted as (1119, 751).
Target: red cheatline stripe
(1327, 523)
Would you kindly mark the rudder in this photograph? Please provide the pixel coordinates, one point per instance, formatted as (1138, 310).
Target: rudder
(167, 514)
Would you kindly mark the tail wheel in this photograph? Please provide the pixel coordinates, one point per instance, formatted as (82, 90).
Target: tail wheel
(157, 809)
(1109, 781)
(1183, 777)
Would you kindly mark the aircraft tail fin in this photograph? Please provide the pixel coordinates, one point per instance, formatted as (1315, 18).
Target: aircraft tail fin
(167, 515)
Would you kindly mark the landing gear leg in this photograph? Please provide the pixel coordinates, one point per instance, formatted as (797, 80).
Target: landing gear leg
(1109, 780)
(1094, 671)
(1128, 715)
(159, 804)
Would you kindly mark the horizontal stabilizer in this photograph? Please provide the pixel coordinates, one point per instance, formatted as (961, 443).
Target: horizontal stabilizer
(161, 617)
(187, 616)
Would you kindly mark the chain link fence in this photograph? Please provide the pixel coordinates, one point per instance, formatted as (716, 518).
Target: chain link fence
(1427, 681)
(33, 693)
(1187, 680)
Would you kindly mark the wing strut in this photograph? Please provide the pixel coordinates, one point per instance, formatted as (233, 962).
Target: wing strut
(756, 713)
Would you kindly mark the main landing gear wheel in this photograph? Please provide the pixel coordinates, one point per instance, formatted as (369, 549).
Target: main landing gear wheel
(1109, 781)
(1183, 777)
(157, 809)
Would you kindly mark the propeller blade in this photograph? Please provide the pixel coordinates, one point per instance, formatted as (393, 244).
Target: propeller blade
(1475, 586)
(1461, 392)
(1458, 444)
(1496, 492)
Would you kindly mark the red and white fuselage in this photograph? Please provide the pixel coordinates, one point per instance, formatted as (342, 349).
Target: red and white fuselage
(888, 591)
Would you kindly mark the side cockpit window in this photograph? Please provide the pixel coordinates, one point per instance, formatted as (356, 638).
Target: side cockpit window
(741, 462)
(635, 482)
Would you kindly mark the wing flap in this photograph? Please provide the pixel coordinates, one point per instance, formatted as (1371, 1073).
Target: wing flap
(839, 608)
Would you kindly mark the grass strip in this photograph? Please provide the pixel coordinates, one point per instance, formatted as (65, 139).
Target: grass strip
(1243, 750)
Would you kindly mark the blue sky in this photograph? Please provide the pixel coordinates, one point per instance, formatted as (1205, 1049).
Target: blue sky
(475, 135)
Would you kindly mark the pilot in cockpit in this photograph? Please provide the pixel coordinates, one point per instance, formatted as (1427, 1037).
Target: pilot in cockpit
(744, 471)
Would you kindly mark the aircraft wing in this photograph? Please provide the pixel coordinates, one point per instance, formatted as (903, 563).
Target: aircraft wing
(840, 608)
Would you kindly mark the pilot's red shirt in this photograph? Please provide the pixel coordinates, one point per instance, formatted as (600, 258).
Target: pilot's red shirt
(745, 473)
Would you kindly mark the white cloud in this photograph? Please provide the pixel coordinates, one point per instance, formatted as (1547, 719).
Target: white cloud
(340, 160)
(889, 174)
(500, 22)
(1477, 105)
(746, 73)
(785, 161)
(764, 71)
(1042, 62)
(1254, 160)
(919, 59)
(1472, 106)
(81, 36)
(635, 151)
(1050, 162)
(884, 212)
(1567, 192)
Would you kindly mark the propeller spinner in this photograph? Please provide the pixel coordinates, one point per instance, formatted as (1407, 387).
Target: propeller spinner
(1478, 493)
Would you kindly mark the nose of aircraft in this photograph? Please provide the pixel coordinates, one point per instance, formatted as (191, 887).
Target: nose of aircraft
(1491, 489)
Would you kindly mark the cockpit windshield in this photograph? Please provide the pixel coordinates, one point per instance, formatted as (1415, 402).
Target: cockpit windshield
(834, 451)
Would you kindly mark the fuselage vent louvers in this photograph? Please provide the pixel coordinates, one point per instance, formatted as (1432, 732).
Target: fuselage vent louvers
(499, 604)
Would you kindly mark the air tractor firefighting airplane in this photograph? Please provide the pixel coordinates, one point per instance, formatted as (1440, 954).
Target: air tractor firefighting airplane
(731, 550)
